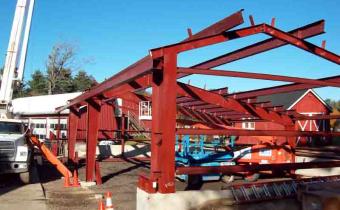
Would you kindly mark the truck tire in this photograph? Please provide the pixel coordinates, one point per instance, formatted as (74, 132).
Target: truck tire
(25, 177)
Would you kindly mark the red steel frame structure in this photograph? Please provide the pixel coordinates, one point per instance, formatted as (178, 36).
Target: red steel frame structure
(215, 108)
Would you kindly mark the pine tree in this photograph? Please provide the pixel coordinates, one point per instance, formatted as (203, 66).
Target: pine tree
(64, 82)
(38, 85)
(82, 81)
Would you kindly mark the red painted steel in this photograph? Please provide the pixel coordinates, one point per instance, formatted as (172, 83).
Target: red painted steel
(72, 132)
(212, 98)
(164, 124)
(213, 108)
(215, 39)
(307, 31)
(145, 65)
(220, 26)
(123, 135)
(244, 132)
(93, 120)
(254, 168)
(317, 117)
(302, 44)
(98, 174)
(235, 34)
(280, 89)
(228, 73)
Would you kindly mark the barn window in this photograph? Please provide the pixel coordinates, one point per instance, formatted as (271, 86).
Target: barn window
(248, 124)
(145, 110)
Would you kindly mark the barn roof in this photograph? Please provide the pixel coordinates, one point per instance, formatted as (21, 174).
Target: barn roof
(289, 99)
(45, 104)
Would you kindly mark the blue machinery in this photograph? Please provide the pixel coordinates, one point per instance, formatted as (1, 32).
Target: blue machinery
(200, 153)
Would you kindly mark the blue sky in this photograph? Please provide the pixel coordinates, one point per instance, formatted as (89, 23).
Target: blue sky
(113, 34)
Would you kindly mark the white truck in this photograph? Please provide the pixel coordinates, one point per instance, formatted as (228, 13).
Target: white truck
(15, 150)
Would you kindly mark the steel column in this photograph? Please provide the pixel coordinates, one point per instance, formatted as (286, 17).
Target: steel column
(123, 135)
(164, 124)
(93, 119)
(73, 119)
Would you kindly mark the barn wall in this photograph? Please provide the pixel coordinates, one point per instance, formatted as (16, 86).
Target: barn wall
(308, 104)
(261, 126)
(311, 105)
(107, 124)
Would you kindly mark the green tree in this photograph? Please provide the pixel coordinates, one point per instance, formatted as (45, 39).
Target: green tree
(38, 85)
(20, 91)
(64, 82)
(82, 81)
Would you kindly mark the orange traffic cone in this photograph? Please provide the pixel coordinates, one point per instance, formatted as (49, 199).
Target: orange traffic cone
(75, 178)
(101, 205)
(108, 201)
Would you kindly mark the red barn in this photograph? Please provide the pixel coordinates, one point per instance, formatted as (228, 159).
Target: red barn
(305, 102)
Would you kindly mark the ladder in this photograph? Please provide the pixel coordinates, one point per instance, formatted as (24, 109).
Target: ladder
(262, 191)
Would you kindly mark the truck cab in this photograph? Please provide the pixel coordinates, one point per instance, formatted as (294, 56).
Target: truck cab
(15, 150)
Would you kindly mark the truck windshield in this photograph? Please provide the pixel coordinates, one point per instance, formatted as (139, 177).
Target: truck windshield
(11, 128)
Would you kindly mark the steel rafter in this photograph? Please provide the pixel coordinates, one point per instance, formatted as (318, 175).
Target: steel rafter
(212, 98)
(256, 29)
(280, 89)
(302, 44)
(243, 132)
(231, 104)
(228, 73)
(303, 32)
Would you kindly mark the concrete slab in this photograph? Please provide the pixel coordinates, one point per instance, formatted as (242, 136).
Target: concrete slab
(87, 184)
(24, 197)
(181, 200)
(18, 197)
(316, 171)
(138, 150)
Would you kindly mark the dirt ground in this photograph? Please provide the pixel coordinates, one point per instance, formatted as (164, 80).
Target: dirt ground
(120, 178)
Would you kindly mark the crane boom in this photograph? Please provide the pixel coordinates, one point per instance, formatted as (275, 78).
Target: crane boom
(22, 17)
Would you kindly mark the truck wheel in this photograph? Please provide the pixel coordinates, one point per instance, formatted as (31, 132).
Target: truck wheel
(25, 177)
